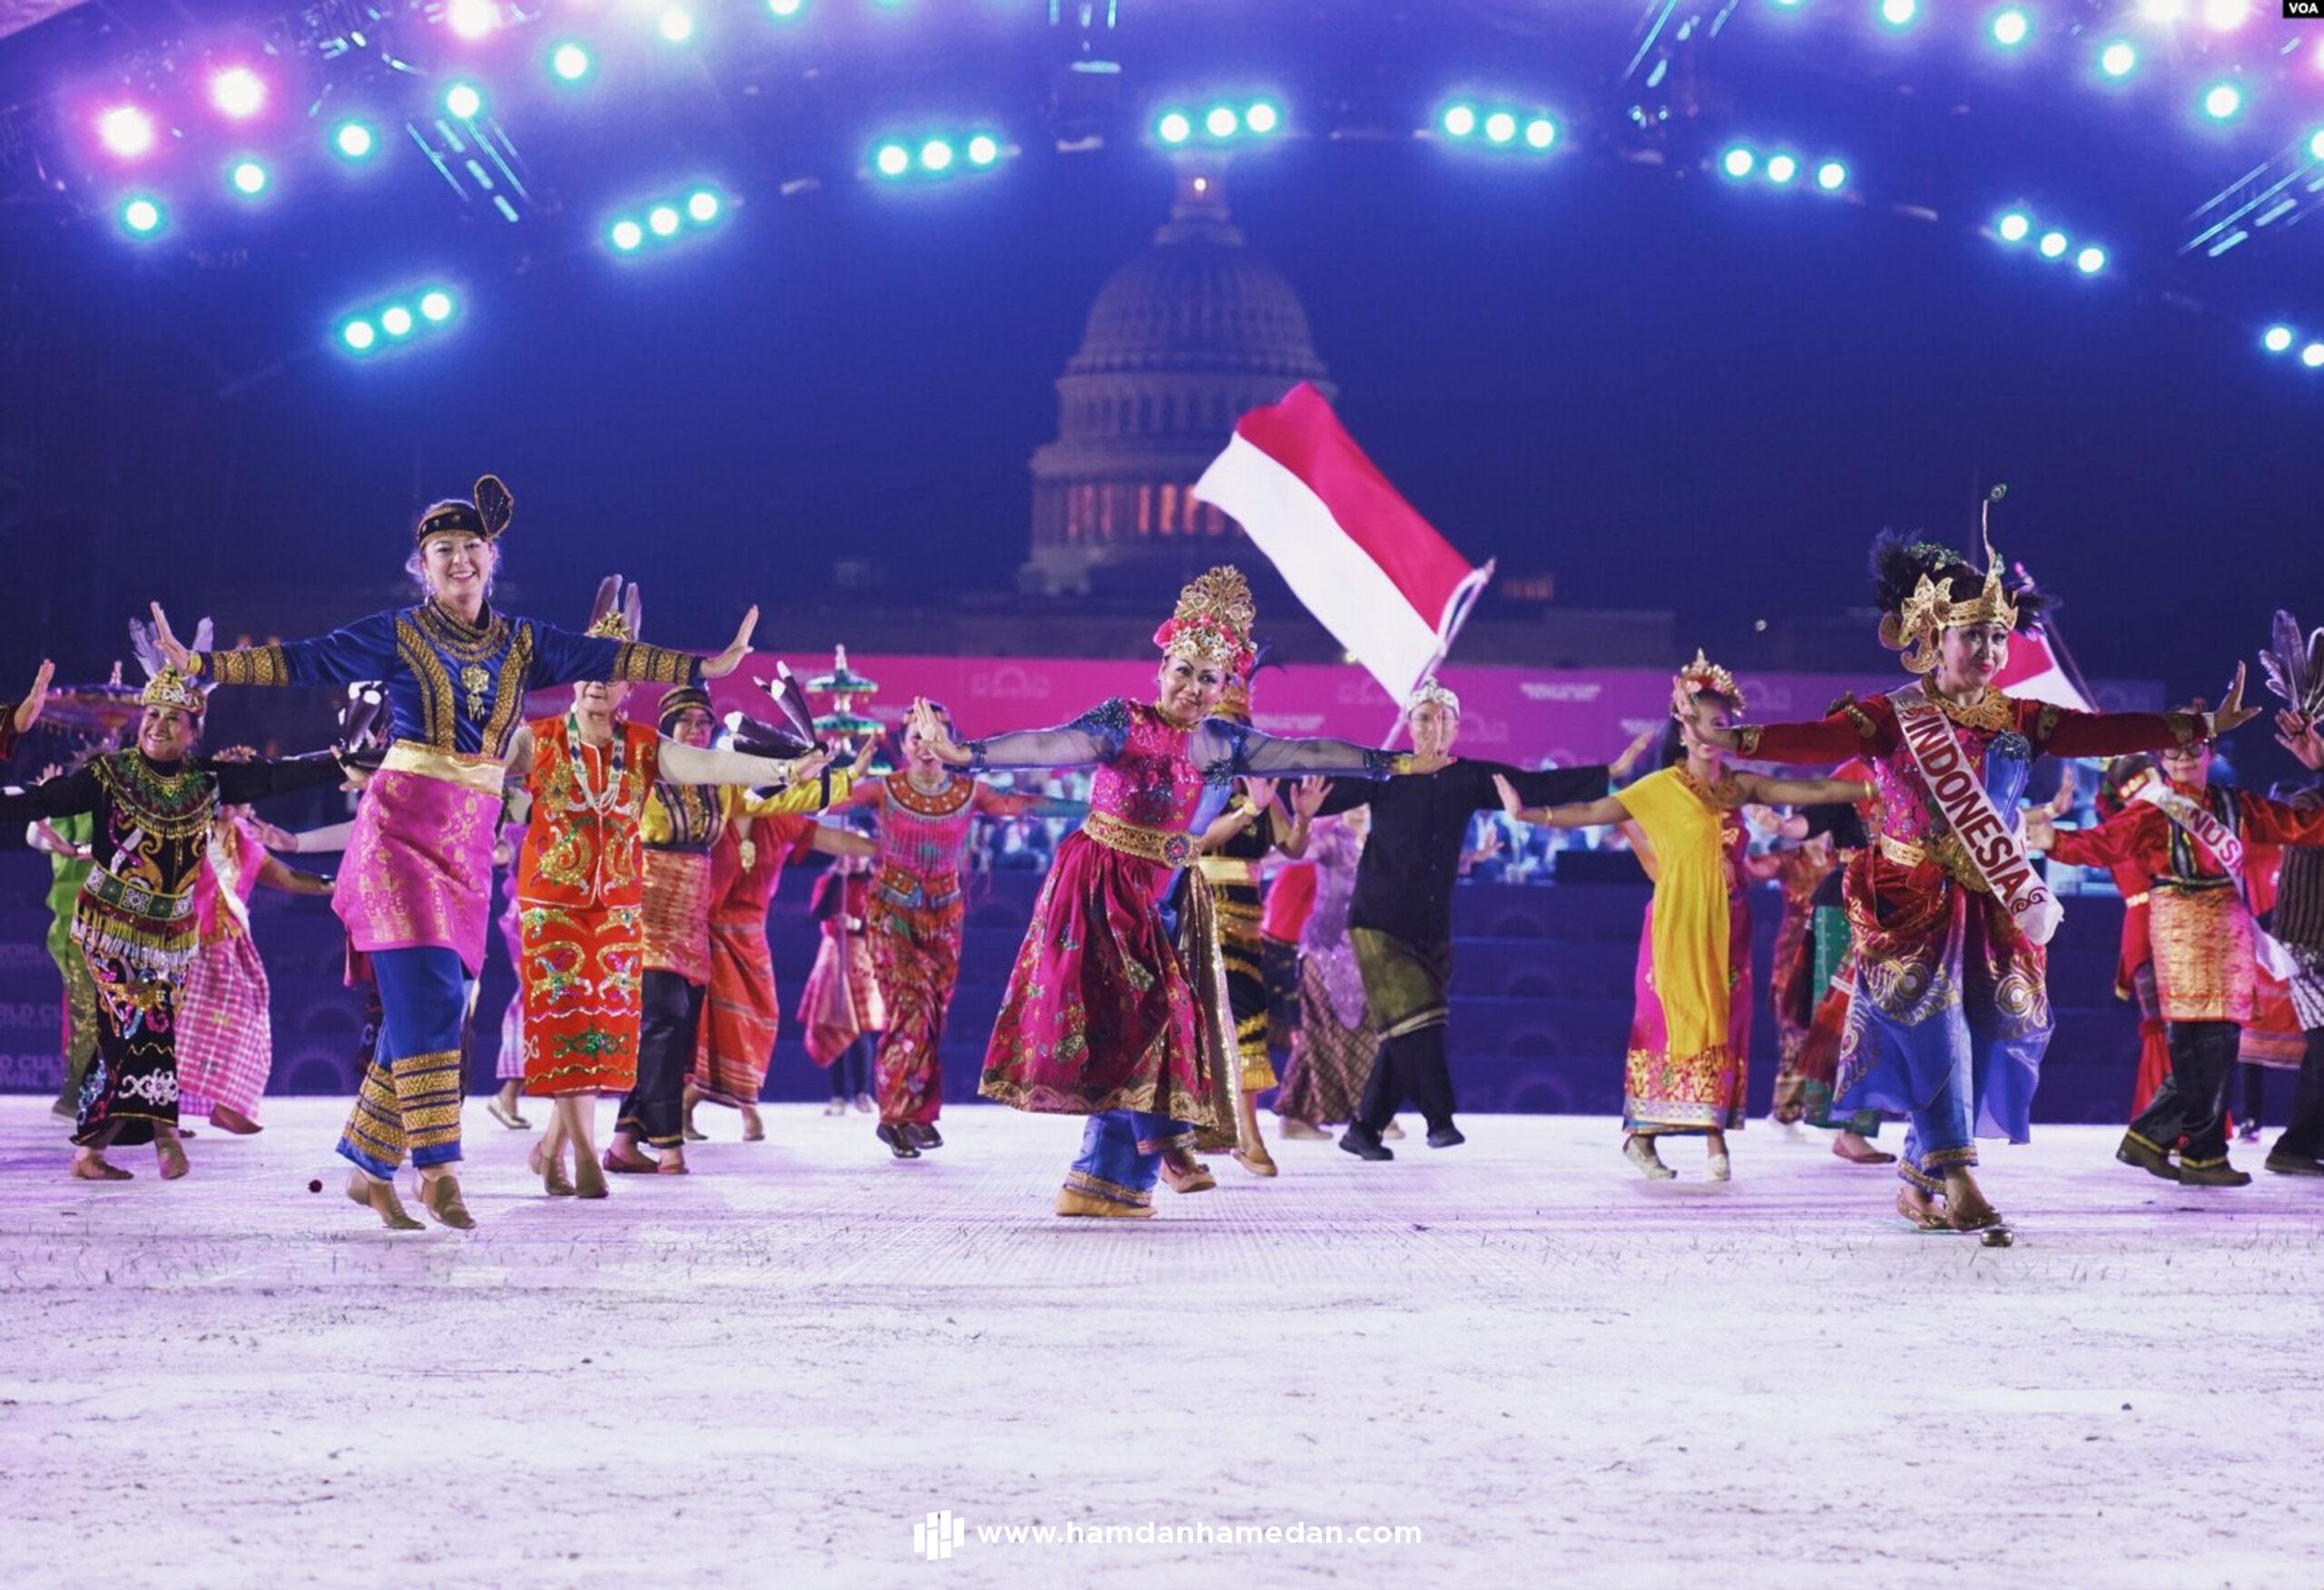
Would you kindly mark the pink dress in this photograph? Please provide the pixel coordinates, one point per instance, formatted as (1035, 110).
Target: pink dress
(225, 1033)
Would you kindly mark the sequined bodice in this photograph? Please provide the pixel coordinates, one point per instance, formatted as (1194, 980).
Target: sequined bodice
(1908, 811)
(923, 834)
(1151, 783)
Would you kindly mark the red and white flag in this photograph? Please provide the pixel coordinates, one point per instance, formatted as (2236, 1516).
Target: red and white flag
(2034, 673)
(1371, 570)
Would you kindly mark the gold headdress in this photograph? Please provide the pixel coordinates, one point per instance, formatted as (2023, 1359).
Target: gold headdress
(616, 616)
(1930, 608)
(1430, 693)
(169, 688)
(1213, 622)
(1702, 675)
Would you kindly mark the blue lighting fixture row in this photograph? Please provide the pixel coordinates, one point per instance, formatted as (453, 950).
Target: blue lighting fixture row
(2015, 228)
(396, 322)
(1473, 123)
(661, 222)
(2280, 339)
(1780, 168)
(1221, 122)
(937, 156)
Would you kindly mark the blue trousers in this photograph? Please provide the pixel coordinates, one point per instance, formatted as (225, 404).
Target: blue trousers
(1121, 1155)
(410, 1103)
(1940, 1134)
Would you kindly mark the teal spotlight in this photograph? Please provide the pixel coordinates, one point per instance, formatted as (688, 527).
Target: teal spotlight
(2277, 340)
(1262, 117)
(626, 235)
(570, 62)
(1174, 128)
(435, 306)
(248, 178)
(894, 160)
(141, 217)
(359, 334)
(354, 140)
(464, 102)
(983, 149)
(396, 320)
(1737, 162)
(702, 206)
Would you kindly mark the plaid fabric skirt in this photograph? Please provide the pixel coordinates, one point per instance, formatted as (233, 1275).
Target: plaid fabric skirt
(225, 1034)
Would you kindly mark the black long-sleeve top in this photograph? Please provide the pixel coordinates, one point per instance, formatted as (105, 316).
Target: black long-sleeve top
(1404, 885)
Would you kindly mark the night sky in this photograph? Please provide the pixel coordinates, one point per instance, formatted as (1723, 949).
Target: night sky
(1669, 392)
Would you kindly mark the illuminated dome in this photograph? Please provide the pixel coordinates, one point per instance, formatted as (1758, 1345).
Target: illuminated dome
(1184, 337)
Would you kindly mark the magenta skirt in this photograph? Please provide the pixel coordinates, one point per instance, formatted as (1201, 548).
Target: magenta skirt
(418, 868)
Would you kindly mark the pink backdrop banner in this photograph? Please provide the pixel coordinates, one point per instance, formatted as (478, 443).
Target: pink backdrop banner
(1520, 715)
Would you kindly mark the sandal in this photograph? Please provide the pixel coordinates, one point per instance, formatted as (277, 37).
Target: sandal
(1922, 1216)
(551, 1171)
(1870, 1156)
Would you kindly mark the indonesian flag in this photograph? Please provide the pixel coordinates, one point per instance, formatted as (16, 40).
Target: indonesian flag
(1371, 570)
(2033, 673)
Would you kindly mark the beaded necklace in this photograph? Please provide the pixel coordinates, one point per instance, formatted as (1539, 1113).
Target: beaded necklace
(601, 801)
(173, 805)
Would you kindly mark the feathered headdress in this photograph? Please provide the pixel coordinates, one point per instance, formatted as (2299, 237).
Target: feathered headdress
(486, 515)
(616, 614)
(1212, 623)
(1703, 676)
(2294, 669)
(788, 732)
(164, 686)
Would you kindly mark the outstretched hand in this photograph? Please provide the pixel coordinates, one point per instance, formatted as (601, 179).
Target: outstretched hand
(166, 642)
(1510, 802)
(717, 667)
(1308, 797)
(935, 734)
(861, 766)
(2041, 830)
(2232, 714)
(2298, 736)
(810, 766)
(28, 710)
(1261, 792)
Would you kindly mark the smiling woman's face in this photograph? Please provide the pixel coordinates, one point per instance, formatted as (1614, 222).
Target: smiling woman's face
(1186, 691)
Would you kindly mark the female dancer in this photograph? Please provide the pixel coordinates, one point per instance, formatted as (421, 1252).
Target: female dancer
(1334, 1044)
(1690, 1040)
(1950, 1015)
(1100, 1018)
(415, 891)
(918, 911)
(841, 1007)
(581, 894)
(1833, 978)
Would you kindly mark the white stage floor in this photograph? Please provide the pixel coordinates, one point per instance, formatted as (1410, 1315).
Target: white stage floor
(768, 1372)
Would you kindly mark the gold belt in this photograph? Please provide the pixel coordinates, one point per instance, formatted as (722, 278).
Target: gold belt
(2137, 899)
(468, 770)
(1946, 850)
(1160, 844)
(1229, 869)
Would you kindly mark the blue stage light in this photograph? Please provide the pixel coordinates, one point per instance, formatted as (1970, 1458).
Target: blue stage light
(702, 206)
(396, 320)
(1832, 176)
(675, 25)
(2312, 355)
(662, 220)
(786, 9)
(359, 334)
(2119, 59)
(435, 305)
(2089, 261)
(2010, 27)
(1173, 127)
(248, 177)
(894, 160)
(2013, 226)
(463, 102)
(570, 62)
(354, 140)
(1262, 117)
(2276, 339)
(2052, 245)
(1459, 121)
(1900, 13)
(626, 235)
(1540, 133)
(2316, 144)
(936, 155)
(1501, 127)
(1738, 162)
(142, 217)
(2222, 102)
(1220, 122)
(1782, 168)
(983, 149)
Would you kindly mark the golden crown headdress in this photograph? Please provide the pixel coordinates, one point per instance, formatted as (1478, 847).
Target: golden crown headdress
(169, 688)
(1923, 617)
(615, 616)
(1213, 622)
(1702, 675)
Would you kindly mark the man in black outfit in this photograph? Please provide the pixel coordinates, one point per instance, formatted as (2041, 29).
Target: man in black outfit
(1400, 915)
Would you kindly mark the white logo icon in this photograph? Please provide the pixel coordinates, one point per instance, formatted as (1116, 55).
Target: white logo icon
(936, 1538)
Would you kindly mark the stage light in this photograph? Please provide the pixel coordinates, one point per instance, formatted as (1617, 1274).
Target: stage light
(1174, 128)
(126, 130)
(359, 334)
(983, 149)
(2010, 29)
(238, 91)
(248, 178)
(435, 305)
(2052, 244)
(2276, 339)
(141, 217)
(675, 25)
(1832, 176)
(2089, 261)
(464, 102)
(936, 155)
(1262, 117)
(2118, 59)
(626, 235)
(1540, 133)
(2316, 144)
(2312, 355)
(2226, 16)
(702, 206)
(1900, 13)
(894, 160)
(1781, 169)
(2222, 102)
(662, 220)
(396, 320)
(570, 62)
(472, 19)
(1459, 121)
(2013, 226)
(786, 9)
(353, 141)
(2162, 12)
(1500, 127)
(1738, 162)
(1221, 122)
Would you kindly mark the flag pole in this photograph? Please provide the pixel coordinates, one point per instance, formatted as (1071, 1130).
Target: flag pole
(1464, 602)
